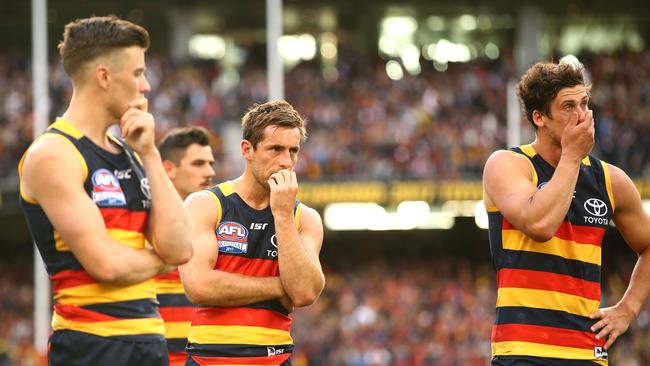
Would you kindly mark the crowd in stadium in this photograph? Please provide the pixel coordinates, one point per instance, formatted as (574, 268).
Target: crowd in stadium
(436, 125)
(16, 316)
(431, 126)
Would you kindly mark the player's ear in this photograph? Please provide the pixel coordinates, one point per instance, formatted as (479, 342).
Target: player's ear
(538, 118)
(170, 168)
(246, 149)
(102, 76)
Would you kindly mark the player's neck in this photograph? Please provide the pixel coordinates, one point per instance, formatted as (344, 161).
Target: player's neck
(254, 194)
(85, 113)
(548, 150)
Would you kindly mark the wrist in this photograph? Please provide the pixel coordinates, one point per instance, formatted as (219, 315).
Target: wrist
(631, 309)
(149, 154)
(279, 288)
(283, 217)
(571, 157)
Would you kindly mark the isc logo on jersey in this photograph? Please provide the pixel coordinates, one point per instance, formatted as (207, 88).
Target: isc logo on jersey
(106, 189)
(232, 237)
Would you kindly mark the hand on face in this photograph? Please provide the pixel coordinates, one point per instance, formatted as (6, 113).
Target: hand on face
(578, 134)
(284, 189)
(137, 127)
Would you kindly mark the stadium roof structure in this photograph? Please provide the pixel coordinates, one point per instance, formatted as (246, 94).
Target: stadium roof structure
(360, 16)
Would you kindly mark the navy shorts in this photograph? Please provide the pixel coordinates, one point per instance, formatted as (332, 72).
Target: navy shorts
(72, 348)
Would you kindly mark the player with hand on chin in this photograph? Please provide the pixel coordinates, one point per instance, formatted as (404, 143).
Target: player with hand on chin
(257, 249)
(93, 200)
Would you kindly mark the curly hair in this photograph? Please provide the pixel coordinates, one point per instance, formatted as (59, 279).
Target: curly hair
(543, 81)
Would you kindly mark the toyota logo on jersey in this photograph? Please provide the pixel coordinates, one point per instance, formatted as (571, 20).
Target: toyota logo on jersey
(596, 207)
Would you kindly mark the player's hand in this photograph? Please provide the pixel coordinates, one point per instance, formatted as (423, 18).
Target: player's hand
(286, 302)
(578, 134)
(613, 322)
(284, 189)
(138, 129)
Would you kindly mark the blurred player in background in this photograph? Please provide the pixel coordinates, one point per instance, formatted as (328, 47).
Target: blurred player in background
(549, 204)
(87, 197)
(257, 249)
(188, 160)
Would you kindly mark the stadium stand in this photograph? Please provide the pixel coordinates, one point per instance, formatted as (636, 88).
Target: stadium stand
(433, 126)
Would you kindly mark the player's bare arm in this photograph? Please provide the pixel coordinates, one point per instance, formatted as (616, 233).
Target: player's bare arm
(207, 286)
(76, 217)
(298, 251)
(508, 183)
(169, 227)
(632, 221)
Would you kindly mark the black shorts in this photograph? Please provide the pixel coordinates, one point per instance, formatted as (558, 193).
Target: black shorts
(72, 348)
(538, 361)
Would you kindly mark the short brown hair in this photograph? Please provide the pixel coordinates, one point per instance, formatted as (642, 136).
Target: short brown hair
(173, 145)
(86, 39)
(543, 81)
(276, 113)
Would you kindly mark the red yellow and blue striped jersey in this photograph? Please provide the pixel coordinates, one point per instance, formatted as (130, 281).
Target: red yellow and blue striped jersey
(256, 334)
(117, 185)
(546, 290)
(176, 311)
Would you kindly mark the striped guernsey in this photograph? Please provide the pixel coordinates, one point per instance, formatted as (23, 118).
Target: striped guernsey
(176, 311)
(547, 290)
(116, 184)
(257, 334)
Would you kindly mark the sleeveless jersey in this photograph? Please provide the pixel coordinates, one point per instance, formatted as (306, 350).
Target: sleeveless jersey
(119, 188)
(256, 334)
(176, 311)
(547, 290)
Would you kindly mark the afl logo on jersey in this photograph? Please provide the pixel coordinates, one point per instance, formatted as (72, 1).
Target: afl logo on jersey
(232, 237)
(106, 189)
(596, 207)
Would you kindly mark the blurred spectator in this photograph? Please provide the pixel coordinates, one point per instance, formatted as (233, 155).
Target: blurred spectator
(16, 318)
(434, 313)
(435, 125)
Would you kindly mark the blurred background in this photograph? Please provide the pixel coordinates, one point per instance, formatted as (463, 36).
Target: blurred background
(405, 100)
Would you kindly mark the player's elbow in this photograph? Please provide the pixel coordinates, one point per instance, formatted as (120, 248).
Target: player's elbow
(181, 257)
(194, 291)
(540, 232)
(195, 296)
(304, 300)
(178, 254)
(309, 295)
(105, 272)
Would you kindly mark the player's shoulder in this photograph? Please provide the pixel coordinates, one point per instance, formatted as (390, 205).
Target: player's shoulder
(52, 150)
(618, 176)
(506, 158)
(308, 215)
(506, 154)
(203, 196)
(204, 201)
